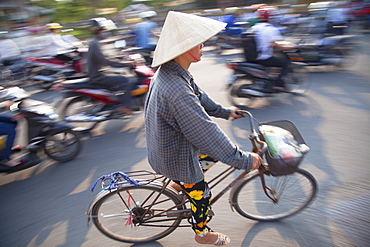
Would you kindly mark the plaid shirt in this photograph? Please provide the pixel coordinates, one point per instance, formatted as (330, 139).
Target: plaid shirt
(178, 126)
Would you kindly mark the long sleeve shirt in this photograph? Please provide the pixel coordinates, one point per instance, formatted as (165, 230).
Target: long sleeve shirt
(178, 127)
(266, 34)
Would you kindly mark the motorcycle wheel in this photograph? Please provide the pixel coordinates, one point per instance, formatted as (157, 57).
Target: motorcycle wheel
(235, 95)
(297, 81)
(78, 107)
(62, 146)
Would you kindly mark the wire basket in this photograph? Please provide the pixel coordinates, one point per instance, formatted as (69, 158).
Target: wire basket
(284, 166)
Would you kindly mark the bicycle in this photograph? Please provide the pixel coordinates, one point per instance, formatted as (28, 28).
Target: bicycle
(140, 206)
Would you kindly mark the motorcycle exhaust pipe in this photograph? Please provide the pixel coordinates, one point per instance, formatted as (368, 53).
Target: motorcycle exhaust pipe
(333, 61)
(43, 78)
(251, 92)
(85, 118)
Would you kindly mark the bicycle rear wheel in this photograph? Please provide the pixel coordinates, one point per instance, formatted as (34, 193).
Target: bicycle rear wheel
(293, 192)
(124, 214)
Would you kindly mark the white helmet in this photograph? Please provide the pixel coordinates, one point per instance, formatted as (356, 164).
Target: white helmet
(147, 14)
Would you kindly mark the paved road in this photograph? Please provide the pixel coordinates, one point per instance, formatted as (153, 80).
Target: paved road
(44, 205)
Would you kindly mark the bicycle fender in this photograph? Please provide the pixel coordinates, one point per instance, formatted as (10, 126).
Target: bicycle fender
(233, 189)
(299, 63)
(88, 212)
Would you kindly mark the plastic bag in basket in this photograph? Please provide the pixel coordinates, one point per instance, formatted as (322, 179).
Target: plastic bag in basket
(281, 143)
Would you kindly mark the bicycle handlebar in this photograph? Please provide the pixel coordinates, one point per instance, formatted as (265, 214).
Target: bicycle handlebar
(254, 135)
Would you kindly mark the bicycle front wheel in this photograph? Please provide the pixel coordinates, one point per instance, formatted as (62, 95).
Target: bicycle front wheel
(137, 214)
(293, 193)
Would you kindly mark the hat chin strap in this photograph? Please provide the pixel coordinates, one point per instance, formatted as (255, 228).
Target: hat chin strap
(196, 59)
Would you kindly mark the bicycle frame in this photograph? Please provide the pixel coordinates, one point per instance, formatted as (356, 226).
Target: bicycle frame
(212, 183)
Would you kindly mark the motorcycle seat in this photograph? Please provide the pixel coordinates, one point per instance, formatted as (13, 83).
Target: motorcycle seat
(253, 65)
(85, 84)
(74, 77)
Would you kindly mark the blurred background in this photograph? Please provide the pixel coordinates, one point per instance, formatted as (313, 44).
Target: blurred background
(23, 21)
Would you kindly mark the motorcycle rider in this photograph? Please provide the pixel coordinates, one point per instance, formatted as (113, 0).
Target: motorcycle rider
(147, 31)
(266, 38)
(96, 60)
(8, 128)
(55, 44)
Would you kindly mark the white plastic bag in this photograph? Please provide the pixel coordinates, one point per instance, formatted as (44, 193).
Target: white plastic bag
(281, 143)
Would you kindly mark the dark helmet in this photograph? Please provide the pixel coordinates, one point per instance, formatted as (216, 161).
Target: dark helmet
(96, 26)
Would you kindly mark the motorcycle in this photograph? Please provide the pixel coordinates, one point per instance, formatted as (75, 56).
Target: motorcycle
(250, 81)
(14, 71)
(49, 70)
(145, 54)
(56, 138)
(85, 105)
(337, 50)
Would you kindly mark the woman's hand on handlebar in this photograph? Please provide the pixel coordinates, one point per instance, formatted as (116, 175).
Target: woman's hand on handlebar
(234, 114)
(256, 161)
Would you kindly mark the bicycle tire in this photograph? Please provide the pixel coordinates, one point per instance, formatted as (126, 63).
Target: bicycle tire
(250, 201)
(112, 217)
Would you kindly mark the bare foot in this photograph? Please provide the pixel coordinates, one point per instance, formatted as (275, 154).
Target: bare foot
(213, 238)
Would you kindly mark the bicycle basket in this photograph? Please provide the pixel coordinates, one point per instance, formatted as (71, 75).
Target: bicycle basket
(286, 149)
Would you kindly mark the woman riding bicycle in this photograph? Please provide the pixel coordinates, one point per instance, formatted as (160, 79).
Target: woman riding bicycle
(177, 118)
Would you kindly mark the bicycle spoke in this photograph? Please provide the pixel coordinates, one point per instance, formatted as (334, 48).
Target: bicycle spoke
(130, 214)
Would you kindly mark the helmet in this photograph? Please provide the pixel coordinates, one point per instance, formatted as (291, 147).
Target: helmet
(53, 26)
(147, 14)
(96, 26)
(266, 12)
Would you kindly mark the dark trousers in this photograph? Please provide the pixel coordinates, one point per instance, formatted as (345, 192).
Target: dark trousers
(117, 83)
(7, 127)
(280, 62)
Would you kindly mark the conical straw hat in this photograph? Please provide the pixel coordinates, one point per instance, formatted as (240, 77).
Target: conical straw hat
(182, 32)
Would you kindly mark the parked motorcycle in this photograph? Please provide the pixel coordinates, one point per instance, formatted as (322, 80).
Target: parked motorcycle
(250, 81)
(55, 138)
(49, 70)
(85, 105)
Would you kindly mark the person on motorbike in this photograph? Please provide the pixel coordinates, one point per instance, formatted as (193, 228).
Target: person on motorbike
(267, 36)
(336, 20)
(56, 46)
(147, 31)
(96, 60)
(8, 127)
(177, 118)
(9, 50)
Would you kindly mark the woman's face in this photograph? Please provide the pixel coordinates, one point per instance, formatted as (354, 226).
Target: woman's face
(196, 53)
